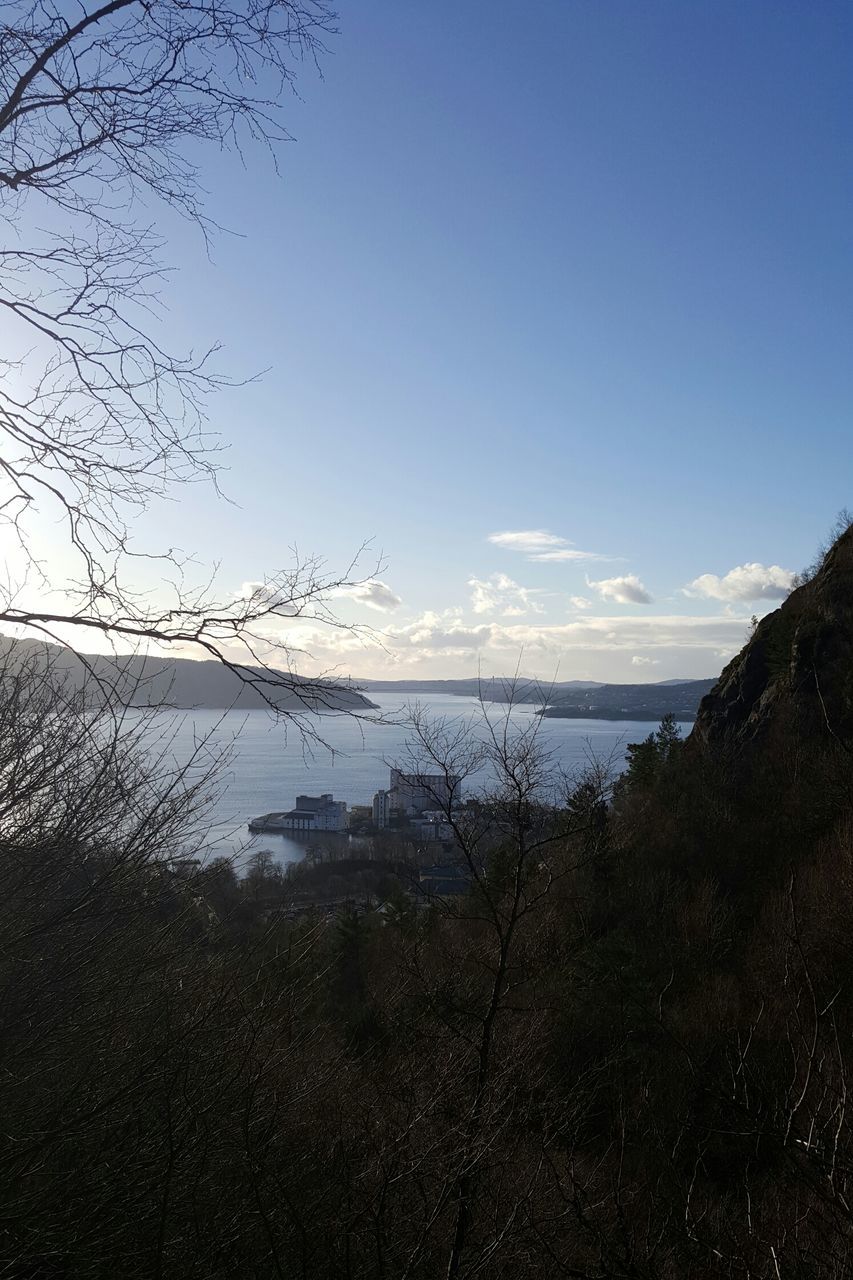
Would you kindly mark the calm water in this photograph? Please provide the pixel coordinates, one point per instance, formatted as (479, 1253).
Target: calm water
(269, 765)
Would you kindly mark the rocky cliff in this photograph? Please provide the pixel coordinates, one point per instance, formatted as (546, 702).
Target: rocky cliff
(794, 678)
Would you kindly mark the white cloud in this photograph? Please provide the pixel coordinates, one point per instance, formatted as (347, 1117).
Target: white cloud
(264, 596)
(625, 590)
(637, 661)
(438, 631)
(441, 631)
(541, 545)
(567, 553)
(434, 641)
(526, 539)
(257, 591)
(744, 583)
(499, 594)
(580, 602)
(374, 594)
(435, 630)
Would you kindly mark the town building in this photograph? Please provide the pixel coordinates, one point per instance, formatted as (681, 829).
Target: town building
(381, 809)
(430, 826)
(311, 813)
(329, 814)
(415, 793)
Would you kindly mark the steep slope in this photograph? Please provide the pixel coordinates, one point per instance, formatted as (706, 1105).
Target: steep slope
(794, 678)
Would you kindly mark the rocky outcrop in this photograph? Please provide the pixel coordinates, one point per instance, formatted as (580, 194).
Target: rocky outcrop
(794, 677)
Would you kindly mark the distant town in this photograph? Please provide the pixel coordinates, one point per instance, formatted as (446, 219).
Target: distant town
(415, 804)
(400, 848)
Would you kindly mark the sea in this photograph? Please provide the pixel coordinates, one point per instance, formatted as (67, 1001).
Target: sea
(263, 763)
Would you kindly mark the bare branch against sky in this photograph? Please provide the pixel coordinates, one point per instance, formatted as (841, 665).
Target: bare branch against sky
(101, 115)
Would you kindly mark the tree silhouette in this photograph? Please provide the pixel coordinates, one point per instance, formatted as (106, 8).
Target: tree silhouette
(101, 109)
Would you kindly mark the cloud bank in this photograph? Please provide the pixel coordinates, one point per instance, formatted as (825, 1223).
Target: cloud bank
(744, 583)
(448, 634)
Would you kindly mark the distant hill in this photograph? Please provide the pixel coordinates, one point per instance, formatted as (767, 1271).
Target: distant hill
(184, 682)
(568, 699)
(493, 689)
(632, 701)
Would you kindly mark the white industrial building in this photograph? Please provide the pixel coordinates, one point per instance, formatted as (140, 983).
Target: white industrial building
(329, 814)
(311, 813)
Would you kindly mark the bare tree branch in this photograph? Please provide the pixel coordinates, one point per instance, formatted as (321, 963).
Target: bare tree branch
(98, 418)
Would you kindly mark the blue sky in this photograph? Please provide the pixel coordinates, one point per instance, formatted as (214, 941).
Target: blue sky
(575, 269)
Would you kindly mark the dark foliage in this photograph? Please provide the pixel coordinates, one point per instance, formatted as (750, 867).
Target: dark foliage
(623, 1053)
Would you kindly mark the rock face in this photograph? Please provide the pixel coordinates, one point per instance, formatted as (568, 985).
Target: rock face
(794, 677)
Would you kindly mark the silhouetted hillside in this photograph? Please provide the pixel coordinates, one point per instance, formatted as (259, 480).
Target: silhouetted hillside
(491, 689)
(794, 678)
(632, 701)
(568, 699)
(186, 683)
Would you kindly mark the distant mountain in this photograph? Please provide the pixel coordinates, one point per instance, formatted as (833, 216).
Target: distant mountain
(184, 682)
(493, 689)
(568, 699)
(632, 701)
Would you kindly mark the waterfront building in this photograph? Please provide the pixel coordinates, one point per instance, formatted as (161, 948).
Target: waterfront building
(329, 814)
(311, 813)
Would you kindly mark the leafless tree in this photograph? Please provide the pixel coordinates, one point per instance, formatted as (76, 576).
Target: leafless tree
(141, 1057)
(522, 836)
(102, 110)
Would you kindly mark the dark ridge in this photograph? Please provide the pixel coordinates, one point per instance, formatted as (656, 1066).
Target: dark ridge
(186, 683)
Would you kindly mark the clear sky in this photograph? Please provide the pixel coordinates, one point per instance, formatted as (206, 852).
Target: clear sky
(576, 272)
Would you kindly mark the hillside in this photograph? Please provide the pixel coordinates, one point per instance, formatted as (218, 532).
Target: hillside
(631, 702)
(183, 682)
(650, 1082)
(492, 689)
(567, 699)
(794, 678)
